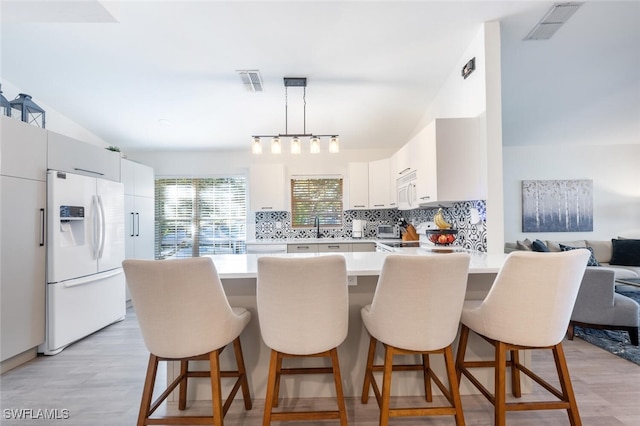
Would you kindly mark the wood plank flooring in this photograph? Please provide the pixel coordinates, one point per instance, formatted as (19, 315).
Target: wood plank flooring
(98, 381)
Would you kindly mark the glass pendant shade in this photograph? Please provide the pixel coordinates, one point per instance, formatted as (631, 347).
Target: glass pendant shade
(295, 145)
(276, 146)
(334, 145)
(296, 148)
(27, 110)
(315, 145)
(256, 146)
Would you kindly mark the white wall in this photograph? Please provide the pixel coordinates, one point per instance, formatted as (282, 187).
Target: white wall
(614, 169)
(54, 120)
(479, 95)
(576, 117)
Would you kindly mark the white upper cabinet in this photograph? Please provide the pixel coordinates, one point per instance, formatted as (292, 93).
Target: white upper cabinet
(452, 162)
(267, 187)
(358, 186)
(24, 149)
(74, 156)
(380, 189)
(137, 179)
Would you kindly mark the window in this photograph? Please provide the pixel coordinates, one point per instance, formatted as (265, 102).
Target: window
(316, 196)
(195, 217)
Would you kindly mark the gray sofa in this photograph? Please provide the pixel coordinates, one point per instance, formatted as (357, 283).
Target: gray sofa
(602, 251)
(599, 306)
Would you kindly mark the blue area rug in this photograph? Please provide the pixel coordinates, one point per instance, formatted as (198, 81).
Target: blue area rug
(616, 342)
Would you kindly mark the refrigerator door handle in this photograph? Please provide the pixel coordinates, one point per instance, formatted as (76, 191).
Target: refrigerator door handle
(42, 227)
(138, 223)
(95, 225)
(133, 225)
(103, 225)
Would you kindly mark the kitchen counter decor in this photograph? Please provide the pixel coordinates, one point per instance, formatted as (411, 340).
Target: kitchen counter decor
(442, 237)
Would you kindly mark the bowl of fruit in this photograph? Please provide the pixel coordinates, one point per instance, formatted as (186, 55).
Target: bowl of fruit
(443, 235)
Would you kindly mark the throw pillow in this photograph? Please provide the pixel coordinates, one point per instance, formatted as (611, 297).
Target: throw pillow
(524, 245)
(625, 252)
(592, 259)
(538, 245)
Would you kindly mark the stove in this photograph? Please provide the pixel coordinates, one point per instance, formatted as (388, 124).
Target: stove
(400, 244)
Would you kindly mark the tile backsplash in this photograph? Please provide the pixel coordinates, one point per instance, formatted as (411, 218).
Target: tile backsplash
(277, 224)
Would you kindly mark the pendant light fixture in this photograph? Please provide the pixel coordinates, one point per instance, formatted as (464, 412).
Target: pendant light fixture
(314, 140)
(5, 106)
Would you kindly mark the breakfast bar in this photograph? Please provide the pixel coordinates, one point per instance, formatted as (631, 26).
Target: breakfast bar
(238, 274)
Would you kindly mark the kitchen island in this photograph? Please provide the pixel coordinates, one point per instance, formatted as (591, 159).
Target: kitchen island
(238, 274)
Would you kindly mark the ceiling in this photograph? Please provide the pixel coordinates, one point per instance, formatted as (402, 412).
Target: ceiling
(162, 75)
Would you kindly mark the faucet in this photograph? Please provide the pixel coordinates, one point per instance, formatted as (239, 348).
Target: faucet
(316, 223)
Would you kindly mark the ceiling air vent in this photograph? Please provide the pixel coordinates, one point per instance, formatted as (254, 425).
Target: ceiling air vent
(552, 21)
(251, 79)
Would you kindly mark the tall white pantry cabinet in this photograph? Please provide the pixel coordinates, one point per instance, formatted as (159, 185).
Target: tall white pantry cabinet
(139, 209)
(23, 171)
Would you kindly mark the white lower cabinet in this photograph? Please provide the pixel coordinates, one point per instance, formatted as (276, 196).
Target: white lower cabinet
(302, 248)
(337, 247)
(334, 247)
(363, 247)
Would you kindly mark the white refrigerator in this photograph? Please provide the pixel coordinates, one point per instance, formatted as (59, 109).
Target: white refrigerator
(85, 249)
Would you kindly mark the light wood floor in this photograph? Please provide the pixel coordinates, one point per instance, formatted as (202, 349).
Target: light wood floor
(99, 381)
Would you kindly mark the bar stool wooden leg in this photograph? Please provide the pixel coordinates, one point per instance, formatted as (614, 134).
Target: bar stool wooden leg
(242, 370)
(182, 398)
(216, 388)
(147, 392)
(337, 378)
(454, 388)
(271, 384)
(462, 349)
(426, 367)
(386, 385)
(368, 373)
(500, 387)
(276, 386)
(565, 385)
(515, 374)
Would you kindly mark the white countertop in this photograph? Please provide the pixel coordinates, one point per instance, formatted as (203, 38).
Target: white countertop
(233, 266)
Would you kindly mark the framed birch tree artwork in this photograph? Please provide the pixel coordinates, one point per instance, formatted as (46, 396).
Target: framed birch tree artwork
(557, 205)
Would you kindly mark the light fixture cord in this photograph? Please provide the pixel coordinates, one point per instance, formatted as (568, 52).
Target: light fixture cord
(304, 110)
(286, 110)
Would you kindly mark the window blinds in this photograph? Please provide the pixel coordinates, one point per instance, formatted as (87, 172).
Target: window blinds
(316, 197)
(200, 216)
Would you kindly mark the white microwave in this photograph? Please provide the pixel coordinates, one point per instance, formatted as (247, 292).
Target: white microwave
(388, 231)
(407, 192)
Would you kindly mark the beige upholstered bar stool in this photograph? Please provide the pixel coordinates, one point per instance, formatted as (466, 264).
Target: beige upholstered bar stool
(528, 307)
(303, 310)
(416, 311)
(184, 315)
